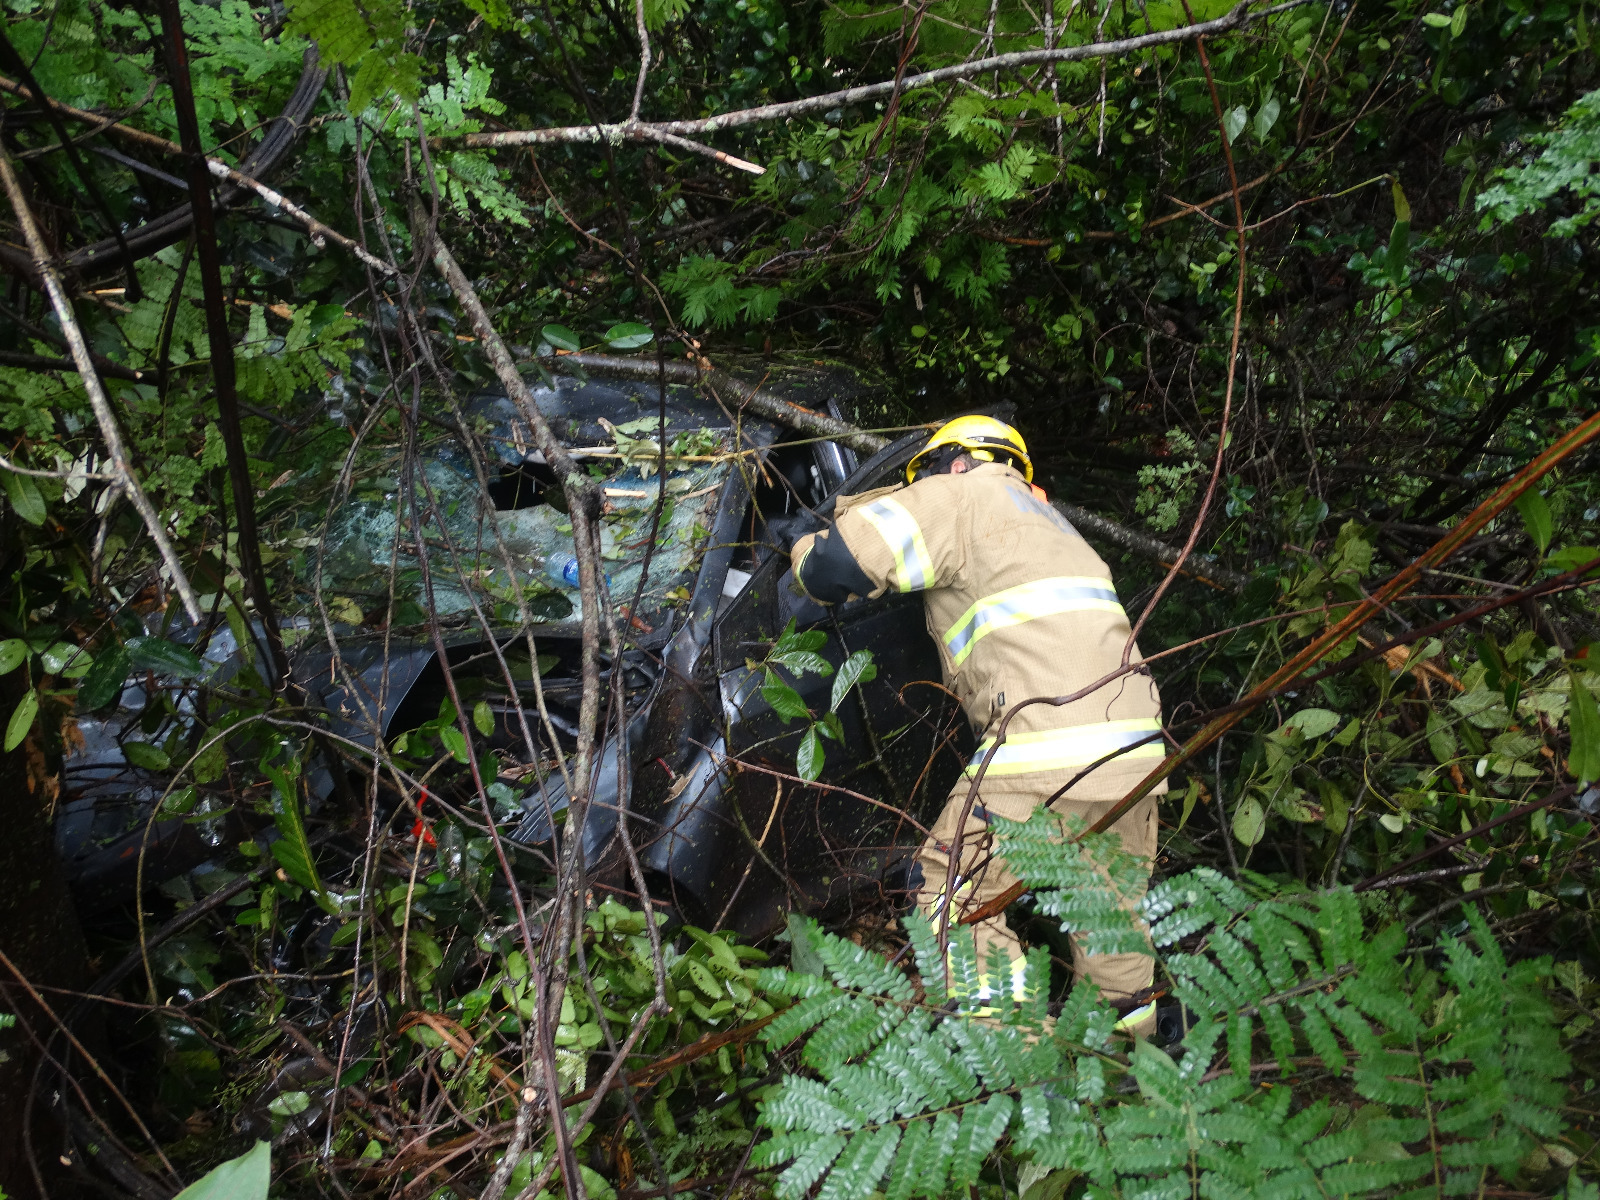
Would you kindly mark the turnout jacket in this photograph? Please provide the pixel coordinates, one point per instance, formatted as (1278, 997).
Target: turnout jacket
(1019, 606)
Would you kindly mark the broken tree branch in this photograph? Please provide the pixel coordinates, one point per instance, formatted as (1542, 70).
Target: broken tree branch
(1358, 615)
(121, 468)
(755, 399)
(805, 420)
(1234, 18)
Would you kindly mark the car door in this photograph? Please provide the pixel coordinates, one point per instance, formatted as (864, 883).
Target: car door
(750, 841)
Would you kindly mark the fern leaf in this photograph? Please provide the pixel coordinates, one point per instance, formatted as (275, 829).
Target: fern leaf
(803, 1017)
(1279, 1035)
(1319, 1035)
(929, 958)
(858, 1169)
(810, 1161)
(981, 1127)
(903, 1175)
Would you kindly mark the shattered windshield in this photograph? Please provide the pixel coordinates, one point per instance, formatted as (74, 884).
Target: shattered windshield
(478, 538)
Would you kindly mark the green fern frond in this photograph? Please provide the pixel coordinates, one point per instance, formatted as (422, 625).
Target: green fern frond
(1089, 885)
(1459, 1068)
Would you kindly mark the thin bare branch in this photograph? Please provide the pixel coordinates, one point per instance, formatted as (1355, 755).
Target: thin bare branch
(121, 467)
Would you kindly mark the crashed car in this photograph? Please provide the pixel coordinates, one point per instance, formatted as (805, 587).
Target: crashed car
(729, 830)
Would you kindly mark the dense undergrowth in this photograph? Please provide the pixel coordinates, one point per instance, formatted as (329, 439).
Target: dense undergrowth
(1373, 905)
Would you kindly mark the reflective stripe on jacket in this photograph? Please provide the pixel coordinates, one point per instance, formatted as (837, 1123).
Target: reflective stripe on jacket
(1020, 606)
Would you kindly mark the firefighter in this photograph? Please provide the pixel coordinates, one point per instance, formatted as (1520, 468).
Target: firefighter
(1020, 606)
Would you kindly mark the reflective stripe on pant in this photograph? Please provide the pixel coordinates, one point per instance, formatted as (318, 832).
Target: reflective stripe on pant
(1118, 976)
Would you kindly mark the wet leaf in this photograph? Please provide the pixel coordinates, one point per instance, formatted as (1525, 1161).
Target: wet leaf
(66, 660)
(858, 668)
(1535, 514)
(455, 742)
(13, 653)
(801, 661)
(145, 756)
(1249, 822)
(790, 640)
(1266, 118)
(289, 1104)
(22, 720)
(244, 1178)
(25, 499)
(164, 658)
(1233, 123)
(1568, 558)
(808, 761)
(561, 337)
(1441, 738)
(1583, 760)
(783, 699)
(1313, 722)
(102, 682)
(344, 611)
(629, 335)
(212, 763)
(292, 849)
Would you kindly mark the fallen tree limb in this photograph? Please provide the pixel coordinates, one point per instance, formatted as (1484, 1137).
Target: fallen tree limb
(764, 404)
(747, 396)
(1234, 18)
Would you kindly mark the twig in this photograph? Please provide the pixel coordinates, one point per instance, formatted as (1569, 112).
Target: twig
(1292, 680)
(121, 468)
(1359, 614)
(644, 59)
(1464, 898)
(1522, 810)
(59, 473)
(496, 1187)
(319, 232)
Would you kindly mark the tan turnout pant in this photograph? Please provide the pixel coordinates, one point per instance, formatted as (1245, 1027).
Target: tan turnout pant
(980, 877)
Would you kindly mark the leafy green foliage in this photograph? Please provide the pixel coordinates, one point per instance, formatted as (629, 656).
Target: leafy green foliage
(797, 653)
(368, 38)
(1564, 165)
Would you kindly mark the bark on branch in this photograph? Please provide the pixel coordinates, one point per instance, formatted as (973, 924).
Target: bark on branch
(621, 131)
(121, 467)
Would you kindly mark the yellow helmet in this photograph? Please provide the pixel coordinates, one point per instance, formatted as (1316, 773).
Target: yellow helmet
(982, 437)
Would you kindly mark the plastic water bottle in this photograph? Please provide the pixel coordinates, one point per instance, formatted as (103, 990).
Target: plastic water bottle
(562, 571)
